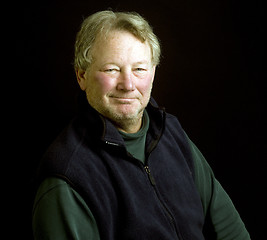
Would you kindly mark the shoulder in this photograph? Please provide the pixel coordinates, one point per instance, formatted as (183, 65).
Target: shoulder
(63, 150)
(174, 130)
(69, 138)
(172, 120)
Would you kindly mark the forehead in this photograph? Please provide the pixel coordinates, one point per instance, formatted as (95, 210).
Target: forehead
(120, 45)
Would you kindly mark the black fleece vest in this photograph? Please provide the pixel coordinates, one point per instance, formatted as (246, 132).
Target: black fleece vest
(157, 200)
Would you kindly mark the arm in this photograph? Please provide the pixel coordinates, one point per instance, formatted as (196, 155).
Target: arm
(60, 213)
(224, 220)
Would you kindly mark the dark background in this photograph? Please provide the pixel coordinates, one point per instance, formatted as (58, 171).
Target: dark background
(211, 77)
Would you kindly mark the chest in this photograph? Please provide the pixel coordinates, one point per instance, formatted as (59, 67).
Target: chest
(155, 200)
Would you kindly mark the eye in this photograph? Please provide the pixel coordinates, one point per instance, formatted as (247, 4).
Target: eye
(140, 69)
(110, 70)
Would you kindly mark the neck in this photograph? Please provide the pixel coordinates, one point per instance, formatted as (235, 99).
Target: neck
(129, 126)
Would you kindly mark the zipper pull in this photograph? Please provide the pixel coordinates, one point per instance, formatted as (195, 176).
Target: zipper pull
(151, 178)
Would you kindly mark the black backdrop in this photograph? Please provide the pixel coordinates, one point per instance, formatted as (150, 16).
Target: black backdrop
(210, 77)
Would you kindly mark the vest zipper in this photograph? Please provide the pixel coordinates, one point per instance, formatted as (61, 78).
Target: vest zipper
(163, 205)
(153, 183)
(151, 179)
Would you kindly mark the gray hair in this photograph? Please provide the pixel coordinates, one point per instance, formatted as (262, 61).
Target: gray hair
(104, 22)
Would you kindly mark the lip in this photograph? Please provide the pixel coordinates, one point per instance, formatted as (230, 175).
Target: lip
(124, 99)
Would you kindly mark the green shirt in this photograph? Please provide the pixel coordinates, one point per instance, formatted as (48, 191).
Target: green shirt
(135, 142)
(60, 212)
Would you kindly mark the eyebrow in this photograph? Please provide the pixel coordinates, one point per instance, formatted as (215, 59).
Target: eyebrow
(142, 62)
(136, 63)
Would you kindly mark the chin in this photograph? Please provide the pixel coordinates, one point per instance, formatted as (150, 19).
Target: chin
(125, 114)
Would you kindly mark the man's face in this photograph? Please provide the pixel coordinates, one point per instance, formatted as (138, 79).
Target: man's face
(119, 81)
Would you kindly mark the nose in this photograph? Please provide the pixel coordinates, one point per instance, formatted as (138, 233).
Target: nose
(126, 82)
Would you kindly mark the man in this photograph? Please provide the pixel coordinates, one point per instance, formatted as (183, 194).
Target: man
(123, 168)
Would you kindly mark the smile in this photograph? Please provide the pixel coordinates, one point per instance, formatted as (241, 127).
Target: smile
(124, 99)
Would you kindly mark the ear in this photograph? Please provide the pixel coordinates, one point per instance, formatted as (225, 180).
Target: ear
(81, 78)
(153, 71)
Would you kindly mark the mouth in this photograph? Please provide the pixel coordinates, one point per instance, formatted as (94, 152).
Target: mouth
(125, 100)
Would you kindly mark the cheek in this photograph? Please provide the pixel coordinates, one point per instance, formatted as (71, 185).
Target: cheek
(101, 82)
(145, 84)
